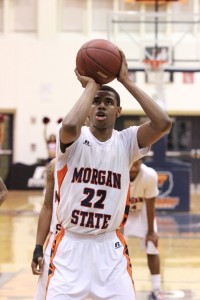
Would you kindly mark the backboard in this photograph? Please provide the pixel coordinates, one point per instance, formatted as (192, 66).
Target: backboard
(157, 32)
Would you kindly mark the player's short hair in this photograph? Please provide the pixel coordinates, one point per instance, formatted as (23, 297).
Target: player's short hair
(110, 89)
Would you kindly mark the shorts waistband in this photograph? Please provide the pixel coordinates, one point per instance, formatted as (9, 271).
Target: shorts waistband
(91, 237)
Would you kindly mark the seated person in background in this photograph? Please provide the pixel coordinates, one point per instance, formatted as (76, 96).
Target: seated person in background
(141, 220)
(3, 191)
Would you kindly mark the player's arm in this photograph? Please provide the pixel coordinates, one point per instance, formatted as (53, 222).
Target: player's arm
(159, 122)
(44, 221)
(3, 191)
(151, 234)
(74, 120)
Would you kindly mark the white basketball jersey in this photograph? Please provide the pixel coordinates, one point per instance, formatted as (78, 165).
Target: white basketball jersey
(93, 180)
(145, 186)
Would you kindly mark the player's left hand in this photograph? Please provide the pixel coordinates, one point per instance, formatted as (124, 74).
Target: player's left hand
(123, 74)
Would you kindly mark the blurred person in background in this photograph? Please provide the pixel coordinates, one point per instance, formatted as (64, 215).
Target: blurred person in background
(141, 221)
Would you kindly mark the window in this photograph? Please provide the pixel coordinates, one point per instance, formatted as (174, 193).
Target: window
(25, 15)
(72, 15)
(100, 12)
(183, 12)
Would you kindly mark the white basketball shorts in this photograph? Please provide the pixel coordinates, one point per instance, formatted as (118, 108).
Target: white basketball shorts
(88, 266)
(42, 281)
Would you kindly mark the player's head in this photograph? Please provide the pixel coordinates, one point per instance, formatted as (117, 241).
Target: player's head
(135, 169)
(110, 89)
(105, 108)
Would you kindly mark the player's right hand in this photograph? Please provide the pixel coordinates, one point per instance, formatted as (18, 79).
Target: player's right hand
(37, 261)
(37, 267)
(84, 80)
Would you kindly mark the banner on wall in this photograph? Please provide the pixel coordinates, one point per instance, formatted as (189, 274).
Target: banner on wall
(165, 199)
(188, 77)
(174, 178)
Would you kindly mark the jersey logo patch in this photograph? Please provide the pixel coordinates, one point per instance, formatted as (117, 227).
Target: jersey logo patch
(86, 142)
(117, 245)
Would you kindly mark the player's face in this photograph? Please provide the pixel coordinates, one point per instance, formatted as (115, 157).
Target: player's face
(134, 170)
(104, 110)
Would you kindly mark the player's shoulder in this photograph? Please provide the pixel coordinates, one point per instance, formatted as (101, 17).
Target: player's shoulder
(51, 165)
(129, 133)
(129, 129)
(149, 171)
(85, 133)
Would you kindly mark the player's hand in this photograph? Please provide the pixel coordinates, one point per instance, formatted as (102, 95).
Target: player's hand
(37, 261)
(123, 74)
(85, 80)
(37, 267)
(153, 237)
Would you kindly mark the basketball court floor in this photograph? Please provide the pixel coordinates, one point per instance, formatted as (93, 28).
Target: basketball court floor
(179, 250)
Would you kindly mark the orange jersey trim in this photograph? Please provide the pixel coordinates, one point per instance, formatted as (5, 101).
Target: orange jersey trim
(127, 208)
(58, 238)
(60, 177)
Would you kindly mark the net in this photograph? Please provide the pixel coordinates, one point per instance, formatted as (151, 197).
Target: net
(154, 64)
(154, 70)
(155, 74)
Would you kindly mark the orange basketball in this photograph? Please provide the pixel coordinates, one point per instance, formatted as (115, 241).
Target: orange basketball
(99, 59)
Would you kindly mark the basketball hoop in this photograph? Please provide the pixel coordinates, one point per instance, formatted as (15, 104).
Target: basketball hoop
(154, 64)
(155, 69)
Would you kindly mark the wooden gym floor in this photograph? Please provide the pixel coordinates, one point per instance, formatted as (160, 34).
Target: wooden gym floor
(179, 250)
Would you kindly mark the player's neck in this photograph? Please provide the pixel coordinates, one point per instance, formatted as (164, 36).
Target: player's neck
(101, 134)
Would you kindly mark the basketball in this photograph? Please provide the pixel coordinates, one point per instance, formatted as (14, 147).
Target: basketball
(99, 59)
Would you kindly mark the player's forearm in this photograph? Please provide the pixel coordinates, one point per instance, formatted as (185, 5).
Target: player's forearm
(158, 117)
(43, 229)
(150, 205)
(150, 226)
(74, 120)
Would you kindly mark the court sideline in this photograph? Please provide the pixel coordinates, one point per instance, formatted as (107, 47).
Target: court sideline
(179, 250)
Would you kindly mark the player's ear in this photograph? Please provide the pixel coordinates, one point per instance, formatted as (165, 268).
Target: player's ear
(119, 109)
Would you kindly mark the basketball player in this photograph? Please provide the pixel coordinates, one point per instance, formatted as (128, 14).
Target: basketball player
(47, 226)
(89, 256)
(3, 191)
(141, 221)
(47, 216)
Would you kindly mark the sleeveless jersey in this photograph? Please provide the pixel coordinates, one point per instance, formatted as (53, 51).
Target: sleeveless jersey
(93, 180)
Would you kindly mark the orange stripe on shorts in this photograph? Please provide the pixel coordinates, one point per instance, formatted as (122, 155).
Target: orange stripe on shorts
(125, 253)
(55, 244)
